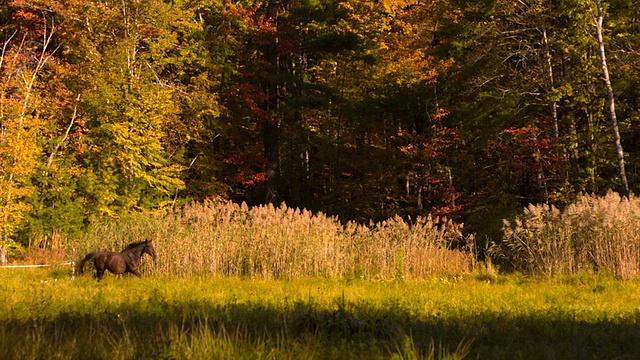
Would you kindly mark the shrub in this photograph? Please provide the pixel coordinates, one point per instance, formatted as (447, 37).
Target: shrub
(595, 234)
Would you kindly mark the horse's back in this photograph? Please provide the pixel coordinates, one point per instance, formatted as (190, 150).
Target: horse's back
(90, 255)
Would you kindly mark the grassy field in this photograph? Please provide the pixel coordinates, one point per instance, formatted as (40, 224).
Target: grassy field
(238, 282)
(45, 314)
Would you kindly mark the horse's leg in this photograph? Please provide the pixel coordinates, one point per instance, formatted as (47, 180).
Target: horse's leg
(99, 269)
(135, 272)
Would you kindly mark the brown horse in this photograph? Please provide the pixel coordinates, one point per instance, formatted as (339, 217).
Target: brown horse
(126, 261)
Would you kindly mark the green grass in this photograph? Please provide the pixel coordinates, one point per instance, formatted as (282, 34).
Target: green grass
(514, 317)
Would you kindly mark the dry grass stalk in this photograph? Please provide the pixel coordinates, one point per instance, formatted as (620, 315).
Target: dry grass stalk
(228, 239)
(595, 234)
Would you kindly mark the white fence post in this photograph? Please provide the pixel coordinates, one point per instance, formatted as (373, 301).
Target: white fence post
(3, 256)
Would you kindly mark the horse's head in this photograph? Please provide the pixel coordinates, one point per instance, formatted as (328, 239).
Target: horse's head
(149, 249)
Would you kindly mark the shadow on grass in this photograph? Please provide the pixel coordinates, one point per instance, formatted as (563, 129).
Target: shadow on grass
(161, 329)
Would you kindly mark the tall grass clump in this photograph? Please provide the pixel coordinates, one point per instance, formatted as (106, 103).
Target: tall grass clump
(594, 234)
(229, 239)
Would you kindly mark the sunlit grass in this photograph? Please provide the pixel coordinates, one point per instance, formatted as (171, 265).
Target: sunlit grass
(227, 239)
(595, 234)
(232, 317)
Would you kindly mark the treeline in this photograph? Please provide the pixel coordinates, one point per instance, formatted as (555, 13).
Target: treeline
(362, 109)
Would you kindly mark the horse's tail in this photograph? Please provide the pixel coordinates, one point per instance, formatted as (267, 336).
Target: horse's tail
(89, 256)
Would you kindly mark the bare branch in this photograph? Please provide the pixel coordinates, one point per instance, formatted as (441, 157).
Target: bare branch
(66, 133)
(4, 48)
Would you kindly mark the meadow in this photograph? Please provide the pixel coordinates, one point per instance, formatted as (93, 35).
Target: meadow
(47, 314)
(238, 282)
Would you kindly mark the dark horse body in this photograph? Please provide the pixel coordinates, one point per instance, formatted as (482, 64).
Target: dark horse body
(126, 261)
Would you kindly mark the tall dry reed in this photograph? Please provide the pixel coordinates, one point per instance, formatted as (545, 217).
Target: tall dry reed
(595, 234)
(229, 239)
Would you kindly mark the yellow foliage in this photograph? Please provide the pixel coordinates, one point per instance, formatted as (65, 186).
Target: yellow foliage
(20, 126)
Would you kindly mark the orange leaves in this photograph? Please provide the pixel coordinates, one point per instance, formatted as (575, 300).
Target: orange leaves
(26, 16)
(441, 113)
(404, 32)
(434, 147)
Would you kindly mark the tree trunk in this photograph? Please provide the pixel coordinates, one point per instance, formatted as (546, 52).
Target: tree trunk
(554, 104)
(624, 186)
(272, 124)
(592, 148)
(572, 129)
(272, 155)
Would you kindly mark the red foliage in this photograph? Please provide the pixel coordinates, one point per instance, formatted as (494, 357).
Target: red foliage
(527, 150)
(247, 178)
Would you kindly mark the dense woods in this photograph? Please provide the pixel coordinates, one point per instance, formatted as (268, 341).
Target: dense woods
(358, 108)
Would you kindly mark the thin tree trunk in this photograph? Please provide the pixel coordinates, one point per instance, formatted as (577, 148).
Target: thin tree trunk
(591, 147)
(272, 125)
(554, 104)
(572, 129)
(541, 180)
(624, 185)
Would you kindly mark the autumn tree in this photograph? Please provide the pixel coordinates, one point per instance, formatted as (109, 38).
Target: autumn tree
(279, 83)
(26, 53)
(137, 120)
(124, 101)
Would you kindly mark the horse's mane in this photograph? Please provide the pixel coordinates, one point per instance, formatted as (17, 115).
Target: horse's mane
(134, 245)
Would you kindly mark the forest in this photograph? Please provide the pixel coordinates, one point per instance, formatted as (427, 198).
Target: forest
(361, 109)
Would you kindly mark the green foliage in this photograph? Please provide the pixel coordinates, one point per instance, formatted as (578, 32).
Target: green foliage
(57, 207)
(126, 155)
